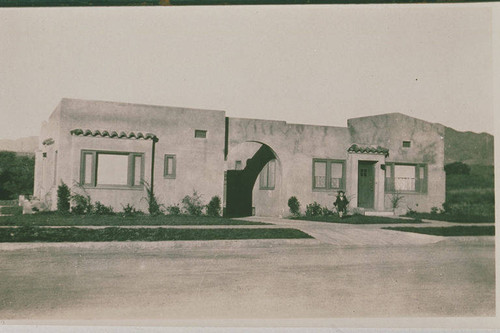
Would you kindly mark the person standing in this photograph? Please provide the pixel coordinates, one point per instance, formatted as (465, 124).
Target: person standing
(341, 203)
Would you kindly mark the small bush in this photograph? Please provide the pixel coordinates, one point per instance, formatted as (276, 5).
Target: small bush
(294, 205)
(154, 208)
(100, 209)
(214, 207)
(326, 212)
(434, 210)
(174, 210)
(314, 209)
(457, 168)
(396, 199)
(63, 198)
(81, 204)
(192, 204)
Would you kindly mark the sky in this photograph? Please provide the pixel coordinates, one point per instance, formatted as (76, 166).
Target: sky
(303, 64)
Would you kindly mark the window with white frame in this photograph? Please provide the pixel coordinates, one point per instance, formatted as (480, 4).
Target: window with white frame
(267, 179)
(328, 174)
(111, 169)
(406, 177)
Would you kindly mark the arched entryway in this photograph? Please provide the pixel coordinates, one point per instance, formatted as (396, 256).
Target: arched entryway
(241, 177)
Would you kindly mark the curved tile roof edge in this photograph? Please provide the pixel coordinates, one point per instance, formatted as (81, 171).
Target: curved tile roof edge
(114, 134)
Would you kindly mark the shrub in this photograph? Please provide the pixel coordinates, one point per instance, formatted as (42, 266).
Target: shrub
(154, 208)
(457, 168)
(213, 207)
(173, 210)
(396, 199)
(100, 209)
(294, 205)
(434, 210)
(82, 204)
(129, 210)
(192, 204)
(326, 212)
(314, 209)
(63, 198)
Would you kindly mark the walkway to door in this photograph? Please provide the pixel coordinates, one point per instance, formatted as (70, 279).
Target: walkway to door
(350, 234)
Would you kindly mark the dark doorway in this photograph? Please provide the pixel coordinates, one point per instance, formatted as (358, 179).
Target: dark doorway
(239, 183)
(366, 184)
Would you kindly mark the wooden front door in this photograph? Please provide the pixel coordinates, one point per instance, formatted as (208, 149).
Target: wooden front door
(366, 184)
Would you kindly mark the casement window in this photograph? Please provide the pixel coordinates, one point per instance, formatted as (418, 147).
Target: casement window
(405, 177)
(328, 174)
(169, 166)
(267, 179)
(111, 169)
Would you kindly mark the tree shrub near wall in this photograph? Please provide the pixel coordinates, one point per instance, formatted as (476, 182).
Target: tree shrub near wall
(192, 204)
(294, 206)
(314, 209)
(17, 175)
(63, 198)
(214, 206)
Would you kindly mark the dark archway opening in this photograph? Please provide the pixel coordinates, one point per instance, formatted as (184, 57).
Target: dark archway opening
(239, 183)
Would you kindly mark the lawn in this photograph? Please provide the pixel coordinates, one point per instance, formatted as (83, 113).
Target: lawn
(12, 210)
(450, 231)
(457, 218)
(111, 234)
(55, 219)
(357, 219)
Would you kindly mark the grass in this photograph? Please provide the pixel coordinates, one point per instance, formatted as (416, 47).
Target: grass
(8, 202)
(450, 231)
(357, 219)
(12, 210)
(115, 234)
(457, 218)
(55, 219)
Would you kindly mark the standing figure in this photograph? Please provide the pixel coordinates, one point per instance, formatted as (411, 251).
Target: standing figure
(341, 203)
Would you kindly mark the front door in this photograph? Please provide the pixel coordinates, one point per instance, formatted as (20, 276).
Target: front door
(366, 184)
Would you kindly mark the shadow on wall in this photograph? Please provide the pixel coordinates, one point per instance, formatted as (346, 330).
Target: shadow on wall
(240, 183)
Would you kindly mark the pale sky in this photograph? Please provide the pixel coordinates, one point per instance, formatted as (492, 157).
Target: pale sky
(302, 64)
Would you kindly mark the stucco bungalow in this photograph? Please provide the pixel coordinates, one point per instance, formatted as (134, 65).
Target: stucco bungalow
(109, 149)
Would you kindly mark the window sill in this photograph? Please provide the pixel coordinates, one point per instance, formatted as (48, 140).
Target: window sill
(111, 187)
(266, 188)
(328, 189)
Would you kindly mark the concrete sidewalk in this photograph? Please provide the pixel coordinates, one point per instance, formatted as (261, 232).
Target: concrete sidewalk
(359, 234)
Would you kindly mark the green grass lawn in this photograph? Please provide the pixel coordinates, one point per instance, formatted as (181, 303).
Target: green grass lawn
(450, 231)
(357, 219)
(454, 218)
(12, 210)
(8, 202)
(115, 234)
(55, 219)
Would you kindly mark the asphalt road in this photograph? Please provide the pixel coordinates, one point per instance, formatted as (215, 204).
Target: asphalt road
(246, 279)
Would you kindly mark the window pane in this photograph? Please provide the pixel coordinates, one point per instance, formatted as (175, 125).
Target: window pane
(319, 174)
(112, 169)
(404, 178)
(422, 172)
(336, 175)
(387, 171)
(170, 165)
(88, 169)
(263, 176)
(137, 170)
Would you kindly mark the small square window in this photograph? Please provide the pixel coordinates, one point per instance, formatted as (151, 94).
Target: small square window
(406, 144)
(169, 167)
(200, 134)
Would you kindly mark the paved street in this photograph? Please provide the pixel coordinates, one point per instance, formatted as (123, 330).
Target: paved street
(348, 271)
